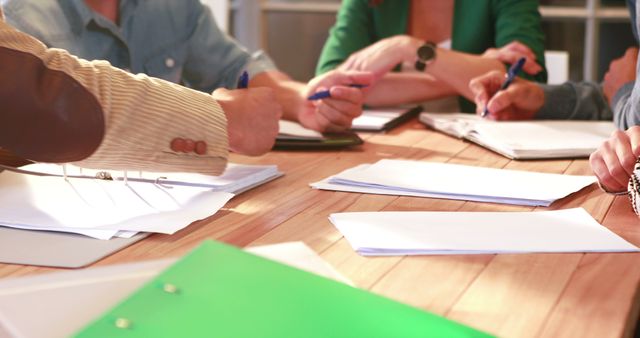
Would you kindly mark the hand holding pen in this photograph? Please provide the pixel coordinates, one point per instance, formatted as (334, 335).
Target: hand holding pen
(514, 70)
(506, 97)
(332, 100)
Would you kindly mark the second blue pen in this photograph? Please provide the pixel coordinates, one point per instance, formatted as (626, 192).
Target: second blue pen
(327, 94)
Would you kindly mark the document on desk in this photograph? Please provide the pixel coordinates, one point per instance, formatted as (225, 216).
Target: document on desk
(292, 135)
(448, 233)
(381, 119)
(524, 139)
(236, 178)
(101, 208)
(69, 300)
(453, 181)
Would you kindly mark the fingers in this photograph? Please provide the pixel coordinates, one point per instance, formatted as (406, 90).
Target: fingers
(349, 78)
(337, 112)
(530, 65)
(485, 86)
(623, 153)
(500, 105)
(634, 138)
(520, 47)
(613, 162)
(327, 119)
(631, 53)
(601, 171)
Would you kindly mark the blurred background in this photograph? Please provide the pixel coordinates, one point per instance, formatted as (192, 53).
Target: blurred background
(593, 32)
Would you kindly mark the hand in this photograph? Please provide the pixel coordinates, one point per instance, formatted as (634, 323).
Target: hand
(252, 119)
(520, 101)
(337, 112)
(621, 71)
(384, 55)
(613, 162)
(511, 53)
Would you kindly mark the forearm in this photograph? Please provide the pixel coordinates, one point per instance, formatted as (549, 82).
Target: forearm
(289, 92)
(402, 88)
(456, 69)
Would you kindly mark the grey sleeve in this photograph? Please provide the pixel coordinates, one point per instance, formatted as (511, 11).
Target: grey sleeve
(626, 103)
(574, 101)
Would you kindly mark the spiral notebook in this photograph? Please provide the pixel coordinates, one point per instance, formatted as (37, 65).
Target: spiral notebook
(220, 291)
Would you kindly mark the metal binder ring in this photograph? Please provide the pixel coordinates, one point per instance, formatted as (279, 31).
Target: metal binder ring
(157, 182)
(104, 175)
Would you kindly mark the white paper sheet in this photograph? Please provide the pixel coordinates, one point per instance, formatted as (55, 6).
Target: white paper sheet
(294, 130)
(59, 304)
(51, 203)
(437, 233)
(525, 139)
(460, 182)
(377, 119)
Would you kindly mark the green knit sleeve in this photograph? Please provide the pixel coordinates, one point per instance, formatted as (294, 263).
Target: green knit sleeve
(352, 31)
(519, 20)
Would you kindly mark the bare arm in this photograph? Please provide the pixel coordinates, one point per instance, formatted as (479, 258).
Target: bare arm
(401, 88)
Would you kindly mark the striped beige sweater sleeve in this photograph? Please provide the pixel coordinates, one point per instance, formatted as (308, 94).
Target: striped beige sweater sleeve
(142, 115)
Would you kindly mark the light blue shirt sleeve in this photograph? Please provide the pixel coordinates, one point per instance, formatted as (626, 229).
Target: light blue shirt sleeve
(216, 60)
(626, 101)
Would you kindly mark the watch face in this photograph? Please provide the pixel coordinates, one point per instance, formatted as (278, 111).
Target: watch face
(426, 53)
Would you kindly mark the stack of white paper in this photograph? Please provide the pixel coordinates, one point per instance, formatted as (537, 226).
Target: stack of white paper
(459, 182)
(100, 208)
(236, 179)
(445, 233)
(59, 304)
(525, 139)
(41, 199)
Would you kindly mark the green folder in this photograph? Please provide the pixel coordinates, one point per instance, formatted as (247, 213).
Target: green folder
(221, 291)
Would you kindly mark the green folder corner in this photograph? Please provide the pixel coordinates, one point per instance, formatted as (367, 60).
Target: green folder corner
(221, 291)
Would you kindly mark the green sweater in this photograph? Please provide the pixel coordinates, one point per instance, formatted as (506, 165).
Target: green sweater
(477, 25)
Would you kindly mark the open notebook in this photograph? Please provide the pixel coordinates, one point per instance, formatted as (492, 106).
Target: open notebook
(524, 139)
(221, 291)
(294, 136)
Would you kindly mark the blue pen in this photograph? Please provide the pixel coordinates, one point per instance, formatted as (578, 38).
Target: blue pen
(514, 70)
(327, 94)
(243, 81)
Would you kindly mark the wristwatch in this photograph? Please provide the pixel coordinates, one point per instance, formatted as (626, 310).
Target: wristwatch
(426, 55)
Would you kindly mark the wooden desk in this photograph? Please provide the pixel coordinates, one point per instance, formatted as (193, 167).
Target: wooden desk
(526, 295)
